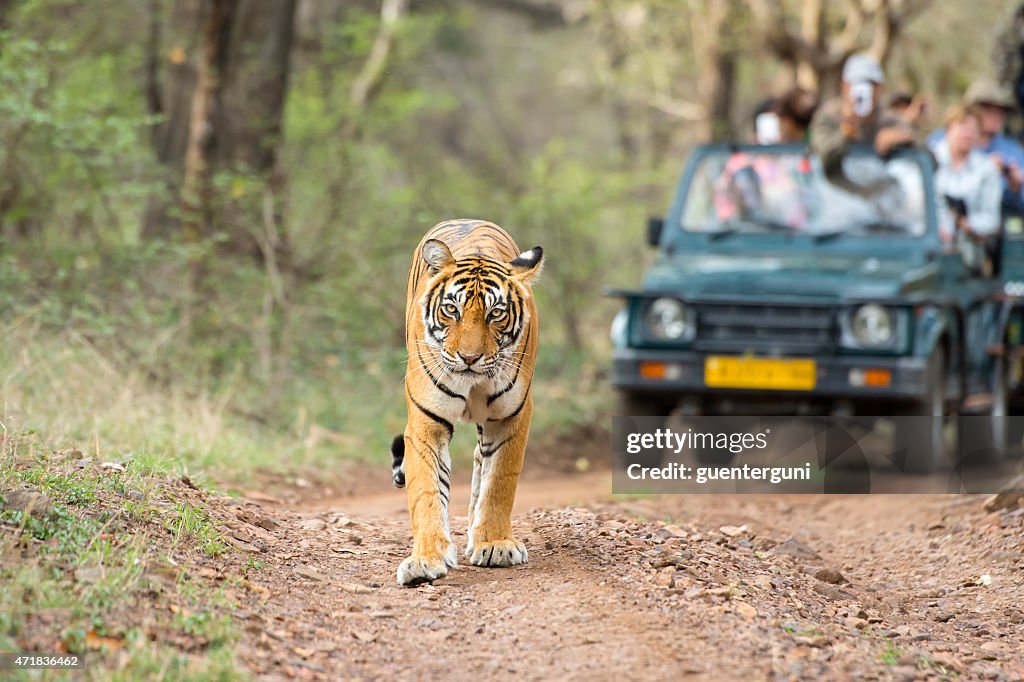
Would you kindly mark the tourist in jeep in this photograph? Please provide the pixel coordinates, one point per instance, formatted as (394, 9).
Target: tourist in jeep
(856, 117)
(968, 185)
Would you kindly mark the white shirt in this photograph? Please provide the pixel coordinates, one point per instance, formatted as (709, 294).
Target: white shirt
(976, 181)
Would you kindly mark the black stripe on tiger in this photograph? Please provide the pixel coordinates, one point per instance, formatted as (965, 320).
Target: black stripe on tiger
(519, 364)
(519, 409)
(443, 471)
(493, 448)
(398, 461)
(442, 467)
(440, 420)
(444, 476)
(437, 382)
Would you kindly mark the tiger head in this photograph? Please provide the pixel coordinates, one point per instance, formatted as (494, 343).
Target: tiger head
(475, 309)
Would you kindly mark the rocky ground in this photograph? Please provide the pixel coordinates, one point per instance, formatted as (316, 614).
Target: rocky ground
(300, 584)
(860, 587)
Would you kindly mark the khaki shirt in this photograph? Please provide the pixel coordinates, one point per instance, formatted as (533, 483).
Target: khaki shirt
(827, 137)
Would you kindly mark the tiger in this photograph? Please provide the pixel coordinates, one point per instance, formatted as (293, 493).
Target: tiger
(471, 336)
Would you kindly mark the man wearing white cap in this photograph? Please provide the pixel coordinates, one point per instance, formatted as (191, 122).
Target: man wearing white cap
(856, 117)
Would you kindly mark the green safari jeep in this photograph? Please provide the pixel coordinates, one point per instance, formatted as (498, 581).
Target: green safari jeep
(779, 291)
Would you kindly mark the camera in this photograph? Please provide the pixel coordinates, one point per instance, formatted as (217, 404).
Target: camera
(767, 129)
(862, 94)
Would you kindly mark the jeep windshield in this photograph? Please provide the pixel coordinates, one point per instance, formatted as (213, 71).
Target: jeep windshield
(784, 190)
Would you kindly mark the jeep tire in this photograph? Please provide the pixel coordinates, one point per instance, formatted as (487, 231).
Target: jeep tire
(920, 438)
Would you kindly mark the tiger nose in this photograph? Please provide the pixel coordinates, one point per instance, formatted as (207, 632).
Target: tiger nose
(469, 359)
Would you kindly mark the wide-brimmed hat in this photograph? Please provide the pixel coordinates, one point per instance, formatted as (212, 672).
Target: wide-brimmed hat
(985, 91)
(862, 67)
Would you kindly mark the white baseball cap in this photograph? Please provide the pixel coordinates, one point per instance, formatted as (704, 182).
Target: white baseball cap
(862, 67)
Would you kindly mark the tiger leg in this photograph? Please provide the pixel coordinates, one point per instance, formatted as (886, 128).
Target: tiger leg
(428, 482)
(502, 448)
(474, 491)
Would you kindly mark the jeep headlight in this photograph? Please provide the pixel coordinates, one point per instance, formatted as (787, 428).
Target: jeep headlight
(873, 326)
(667, 319)
(619, 330)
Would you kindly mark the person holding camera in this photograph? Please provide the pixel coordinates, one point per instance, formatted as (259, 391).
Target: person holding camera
(857, 117)
(968, 186)
(992, 104)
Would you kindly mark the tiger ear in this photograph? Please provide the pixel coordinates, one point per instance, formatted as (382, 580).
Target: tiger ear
(527, 265)
(437, 255)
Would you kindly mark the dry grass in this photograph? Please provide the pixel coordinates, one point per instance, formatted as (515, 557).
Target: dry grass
(63, 386)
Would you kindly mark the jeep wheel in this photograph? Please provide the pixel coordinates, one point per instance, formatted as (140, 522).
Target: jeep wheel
(1014, 431)
(1015, 405)
(983, 438)
(999, 415)
(920, 438)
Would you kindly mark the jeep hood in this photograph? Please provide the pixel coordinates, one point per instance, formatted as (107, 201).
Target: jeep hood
(803, 277)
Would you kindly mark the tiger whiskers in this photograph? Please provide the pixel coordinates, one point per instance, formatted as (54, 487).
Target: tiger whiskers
(434, 363)
(506, 371)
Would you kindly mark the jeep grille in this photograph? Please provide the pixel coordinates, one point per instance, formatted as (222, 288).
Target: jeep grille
(741, 328)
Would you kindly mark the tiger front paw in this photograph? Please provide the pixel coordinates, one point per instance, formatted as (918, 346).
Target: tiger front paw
(415, 570)
(499, 553)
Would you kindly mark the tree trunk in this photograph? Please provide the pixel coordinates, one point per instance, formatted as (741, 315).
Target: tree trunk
(5, 10)
(812, 29)
(711, 31)
(719, 123)
(222, 99)
(170, 84)
(196, 185)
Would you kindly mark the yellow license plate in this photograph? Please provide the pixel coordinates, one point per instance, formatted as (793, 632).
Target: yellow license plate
(739, 372)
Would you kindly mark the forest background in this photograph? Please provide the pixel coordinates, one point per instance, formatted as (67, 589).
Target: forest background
(208, 207)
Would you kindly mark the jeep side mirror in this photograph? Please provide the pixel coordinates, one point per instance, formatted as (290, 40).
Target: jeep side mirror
(655, 224)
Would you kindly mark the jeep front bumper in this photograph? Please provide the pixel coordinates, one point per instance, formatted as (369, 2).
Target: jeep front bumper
(851, 377)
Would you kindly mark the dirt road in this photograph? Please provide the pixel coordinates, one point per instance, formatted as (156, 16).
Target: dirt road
(711, 587)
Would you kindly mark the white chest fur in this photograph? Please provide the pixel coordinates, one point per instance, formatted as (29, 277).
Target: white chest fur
(476, 403)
